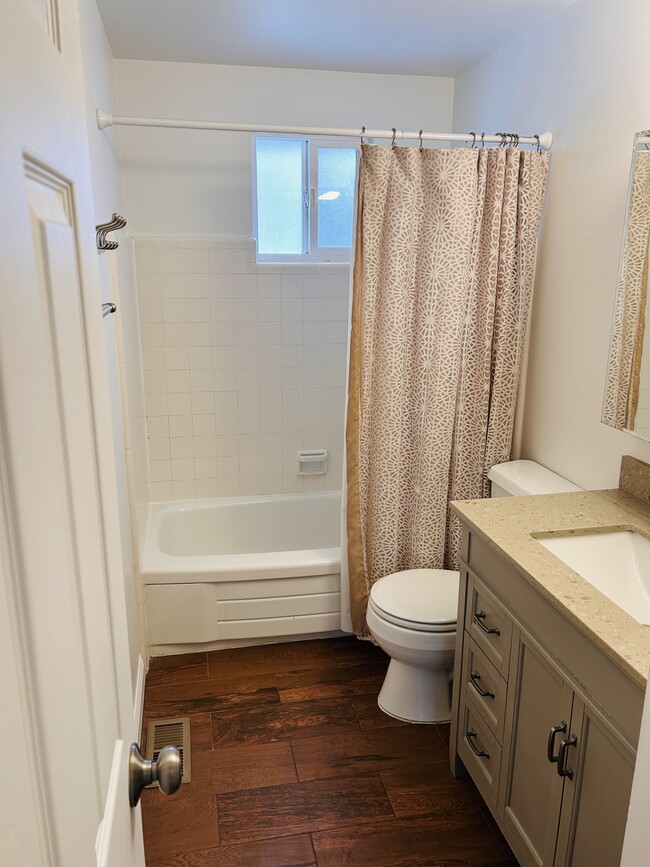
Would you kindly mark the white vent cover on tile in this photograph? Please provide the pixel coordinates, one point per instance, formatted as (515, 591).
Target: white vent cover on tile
(170, 733)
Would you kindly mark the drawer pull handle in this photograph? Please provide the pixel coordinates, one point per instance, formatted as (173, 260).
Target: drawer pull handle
(551, 741)
(485, 693)
(562, 769)
(480, 617)
(480, 753)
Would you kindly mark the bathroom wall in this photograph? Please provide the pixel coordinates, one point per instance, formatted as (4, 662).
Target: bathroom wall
(243, 364)
(117, 274)
(583, 75)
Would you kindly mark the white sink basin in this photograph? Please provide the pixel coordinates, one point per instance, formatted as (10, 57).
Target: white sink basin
(617, 564)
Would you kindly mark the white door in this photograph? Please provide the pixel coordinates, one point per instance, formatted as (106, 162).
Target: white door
(66, 707)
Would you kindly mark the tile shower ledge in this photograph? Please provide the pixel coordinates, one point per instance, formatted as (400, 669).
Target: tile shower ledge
(509, 525)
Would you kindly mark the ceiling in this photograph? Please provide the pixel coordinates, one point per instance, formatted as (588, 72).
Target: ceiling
(416, 37)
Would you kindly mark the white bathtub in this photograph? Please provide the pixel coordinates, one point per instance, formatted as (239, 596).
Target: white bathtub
(242, 568)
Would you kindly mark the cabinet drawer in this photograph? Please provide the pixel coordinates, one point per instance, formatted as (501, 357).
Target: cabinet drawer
(484, 684)
(479, 750)
(488, 625)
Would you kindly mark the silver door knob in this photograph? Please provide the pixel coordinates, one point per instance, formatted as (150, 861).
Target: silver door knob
(166, 771)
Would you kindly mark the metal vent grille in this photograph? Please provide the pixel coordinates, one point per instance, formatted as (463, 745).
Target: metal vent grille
(170, 732)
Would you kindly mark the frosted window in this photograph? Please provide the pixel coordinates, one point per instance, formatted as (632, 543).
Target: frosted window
(280, 195)
(336, 173)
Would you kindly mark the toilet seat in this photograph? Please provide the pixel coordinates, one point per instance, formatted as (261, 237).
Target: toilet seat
(424, 600)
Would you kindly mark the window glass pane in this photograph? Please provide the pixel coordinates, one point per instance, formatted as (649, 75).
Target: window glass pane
(280, 195)
(336, 172)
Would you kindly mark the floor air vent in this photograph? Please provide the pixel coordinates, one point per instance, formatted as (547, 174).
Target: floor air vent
(171, 732)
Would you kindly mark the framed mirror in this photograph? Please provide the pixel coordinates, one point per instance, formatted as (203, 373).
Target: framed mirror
(627, 390)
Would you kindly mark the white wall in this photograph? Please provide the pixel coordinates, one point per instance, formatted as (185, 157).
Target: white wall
(122, 342)
(189, 182)
(583, 75)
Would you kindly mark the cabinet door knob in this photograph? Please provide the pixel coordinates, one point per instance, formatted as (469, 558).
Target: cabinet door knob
(485, 693)
(562, 769)
(551, 741)
(469, 738)
(480, 617)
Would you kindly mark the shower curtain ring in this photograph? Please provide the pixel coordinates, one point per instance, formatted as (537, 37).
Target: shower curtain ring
(392, 144)
(482, 139)
(539, 147)
(473, 135)
(420, 137)
(363, 132)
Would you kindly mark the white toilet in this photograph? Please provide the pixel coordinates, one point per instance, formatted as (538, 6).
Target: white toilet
(412, 614)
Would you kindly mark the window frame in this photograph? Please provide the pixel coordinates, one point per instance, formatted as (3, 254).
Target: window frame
(312, 253)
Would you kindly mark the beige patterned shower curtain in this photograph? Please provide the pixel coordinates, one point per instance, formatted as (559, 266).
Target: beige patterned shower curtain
(443, 275)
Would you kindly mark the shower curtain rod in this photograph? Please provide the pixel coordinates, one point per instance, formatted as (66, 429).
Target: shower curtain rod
(104, 119)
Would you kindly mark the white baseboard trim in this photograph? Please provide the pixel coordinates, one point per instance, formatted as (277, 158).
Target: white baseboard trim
(138, 699)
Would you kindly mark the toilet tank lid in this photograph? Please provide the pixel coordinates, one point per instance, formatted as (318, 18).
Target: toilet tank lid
(527, 477)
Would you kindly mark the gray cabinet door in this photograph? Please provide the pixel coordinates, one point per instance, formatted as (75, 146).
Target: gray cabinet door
(530, 795)
(596, 794)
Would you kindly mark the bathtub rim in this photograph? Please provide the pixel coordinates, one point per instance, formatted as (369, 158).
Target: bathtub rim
(161, 568)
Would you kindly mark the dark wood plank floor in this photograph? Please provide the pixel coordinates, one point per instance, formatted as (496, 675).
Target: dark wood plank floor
(294, 764)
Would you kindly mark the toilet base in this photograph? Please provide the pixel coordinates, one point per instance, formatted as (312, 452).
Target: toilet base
(415, 694)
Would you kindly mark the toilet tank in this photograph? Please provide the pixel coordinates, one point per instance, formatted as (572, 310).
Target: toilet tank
(517, 478)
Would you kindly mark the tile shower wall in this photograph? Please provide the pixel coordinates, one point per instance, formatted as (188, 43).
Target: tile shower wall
(243, 365)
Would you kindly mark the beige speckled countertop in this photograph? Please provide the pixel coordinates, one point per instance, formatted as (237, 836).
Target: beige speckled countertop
(507, 525)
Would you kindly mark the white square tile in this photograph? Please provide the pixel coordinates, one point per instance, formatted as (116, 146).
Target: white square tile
(248, 401)
(156, 404)
(150, 310)
(182, 447)
(221, 262)
(148, 285)
(292, 310)
(271, 464)
(336, 332)
(205, 467)
(203, 425)
(269, 287)
(180, 426)
(177, 358)
(223, 310)
(314, 310)
(248, 380)
(272, 484)
(202, 402)
(200, 357)
(270, 379)
(245, 310)
(159, 450)
(160, 471)
(227, 445)
(246, 286)
(224, 357)
(151, 334)
(249, 444)
(292, 356)
(291, 442)
(270, 333)
(248, 422)
(227, 465)
(314, 332)
(270, 422)
(197, 286)
(239, 261)
(314, 355)
(314, 398)
(180, 404)
(172, 286)
(270, 443)
(292, 399)
(338, 286)
(335, 377)
(226, 423)
(161, 492)
(292, 377)
(153, 358)
(228, 487)
(202, 380)
(292, 286)
(248, 356)
(292, 421)
(227, 401)
(246, 333)
(269, 311)
(250, 465)
(175, 334)
(292, 484)
(337, 310)
(178, 380)
(154, 382)
(314, 286)
(158, 426)
(146, 261)
(313, 484)
(250, 486)
(206, 488)
(184, 489)
(270, 356)
(336, 355)
(198, 310)
(222, 286)
(223, 334)
(314, 420)
(270, 401)
(292, 333)
(225, 380)
(205, 447)
(183, 468)
(199, 334)
(334, 418)
(195, 262)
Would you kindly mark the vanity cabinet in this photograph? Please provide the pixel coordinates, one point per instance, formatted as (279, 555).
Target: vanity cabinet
(542, 719)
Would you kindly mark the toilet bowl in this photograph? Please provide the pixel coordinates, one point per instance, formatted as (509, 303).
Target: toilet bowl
(412, 615)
